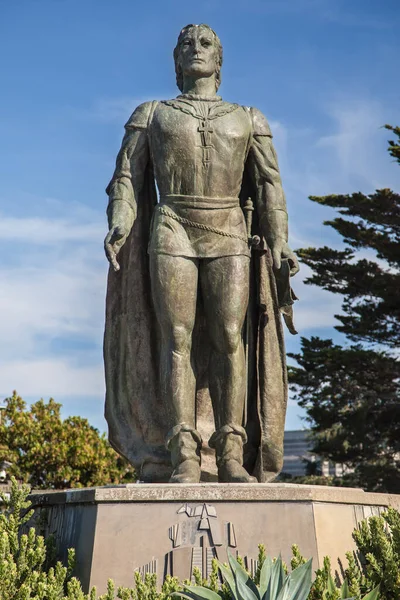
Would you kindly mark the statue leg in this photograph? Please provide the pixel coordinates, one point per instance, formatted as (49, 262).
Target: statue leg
(174, 281)
(225, 291)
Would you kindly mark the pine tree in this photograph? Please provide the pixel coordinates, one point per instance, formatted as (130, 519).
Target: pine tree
(351, 393)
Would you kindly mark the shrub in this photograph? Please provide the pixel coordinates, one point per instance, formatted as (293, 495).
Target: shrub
(22, 557)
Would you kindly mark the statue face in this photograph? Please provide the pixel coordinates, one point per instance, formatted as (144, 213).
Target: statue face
(197, 54)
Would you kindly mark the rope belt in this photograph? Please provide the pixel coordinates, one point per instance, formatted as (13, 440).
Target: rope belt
(195, 225)
(198, 202)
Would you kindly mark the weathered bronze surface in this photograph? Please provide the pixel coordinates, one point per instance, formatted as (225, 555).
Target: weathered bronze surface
(194, 300)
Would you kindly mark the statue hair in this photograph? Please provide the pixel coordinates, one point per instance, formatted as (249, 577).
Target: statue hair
(218, 49)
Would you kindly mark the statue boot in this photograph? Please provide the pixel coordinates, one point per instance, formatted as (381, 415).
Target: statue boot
(184, 443)
(228, 443)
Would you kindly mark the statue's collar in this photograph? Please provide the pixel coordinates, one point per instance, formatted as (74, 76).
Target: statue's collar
(200, 110)
(198, 97)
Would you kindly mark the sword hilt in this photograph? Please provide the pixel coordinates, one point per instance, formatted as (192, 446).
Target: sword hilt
(248, 209)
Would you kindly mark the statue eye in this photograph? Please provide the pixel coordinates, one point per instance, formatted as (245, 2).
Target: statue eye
(186, 43)
(206, 43)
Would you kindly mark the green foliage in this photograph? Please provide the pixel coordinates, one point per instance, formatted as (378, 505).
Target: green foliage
(313, 480)
(272, 582)
(377, 575)
(394, 145)
(23, 572)
(48, 452)
(351, 392)
(324, 586)
(351, 397)
(369, 288)
(144, 589)
(22, 557)
(378, 539)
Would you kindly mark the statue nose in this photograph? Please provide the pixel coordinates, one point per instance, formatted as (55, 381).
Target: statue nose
(196, 47)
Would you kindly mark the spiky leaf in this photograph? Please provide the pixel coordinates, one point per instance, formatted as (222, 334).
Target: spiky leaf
(197, 593)
(265, 575)
(373, 595)
(240, 574)
(284, 594)
(344, 590)
(228, 576)
(244, 590)
(300, 581)
(276, 581)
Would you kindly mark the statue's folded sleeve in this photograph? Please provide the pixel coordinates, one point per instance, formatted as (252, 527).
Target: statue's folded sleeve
(262, 167)
(129, 174)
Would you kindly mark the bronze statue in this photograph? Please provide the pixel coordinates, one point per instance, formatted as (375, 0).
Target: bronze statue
(194, 301)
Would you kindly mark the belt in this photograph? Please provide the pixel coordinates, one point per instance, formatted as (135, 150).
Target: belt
(183, 201)
(162, 209)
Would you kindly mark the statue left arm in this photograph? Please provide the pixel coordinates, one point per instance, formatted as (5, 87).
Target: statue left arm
(262, 165)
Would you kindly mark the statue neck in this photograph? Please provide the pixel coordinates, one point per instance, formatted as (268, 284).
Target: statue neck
(203, 87)
(199, 98)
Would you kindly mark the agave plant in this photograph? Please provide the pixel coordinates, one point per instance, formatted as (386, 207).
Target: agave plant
(274, 583)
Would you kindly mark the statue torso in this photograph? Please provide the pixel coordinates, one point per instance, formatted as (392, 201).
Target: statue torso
(199, 148)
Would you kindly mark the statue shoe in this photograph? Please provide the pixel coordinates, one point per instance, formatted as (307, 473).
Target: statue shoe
(187, 471)
(231, 471)
(184, 443)
(228, 443)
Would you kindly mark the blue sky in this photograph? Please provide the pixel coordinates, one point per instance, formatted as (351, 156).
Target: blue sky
(324, 72)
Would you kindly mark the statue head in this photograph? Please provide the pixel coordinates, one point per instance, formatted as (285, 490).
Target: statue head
(198, 52)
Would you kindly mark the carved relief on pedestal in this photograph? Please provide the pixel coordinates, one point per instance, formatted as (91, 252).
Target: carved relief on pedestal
(196, 538)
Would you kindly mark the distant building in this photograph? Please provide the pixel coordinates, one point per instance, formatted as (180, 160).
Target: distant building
(297, 452)
(297, 449)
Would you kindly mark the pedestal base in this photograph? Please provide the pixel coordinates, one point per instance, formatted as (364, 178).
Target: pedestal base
(169, 529)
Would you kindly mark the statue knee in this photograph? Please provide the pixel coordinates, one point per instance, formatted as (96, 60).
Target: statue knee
(228, 340)
(180, 339)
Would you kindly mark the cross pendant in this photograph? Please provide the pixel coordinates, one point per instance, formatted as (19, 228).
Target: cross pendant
(205, 129)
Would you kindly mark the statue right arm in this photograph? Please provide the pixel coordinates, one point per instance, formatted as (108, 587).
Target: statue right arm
(127, 181)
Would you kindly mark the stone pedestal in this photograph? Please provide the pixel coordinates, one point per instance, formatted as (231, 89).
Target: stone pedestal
(162, 528)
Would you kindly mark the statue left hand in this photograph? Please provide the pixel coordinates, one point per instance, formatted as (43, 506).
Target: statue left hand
(280, 249)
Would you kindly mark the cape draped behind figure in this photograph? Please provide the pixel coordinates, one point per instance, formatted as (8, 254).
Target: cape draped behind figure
(134, 410)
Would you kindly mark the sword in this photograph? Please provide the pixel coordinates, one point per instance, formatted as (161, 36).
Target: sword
(253, 241)
(286, 295)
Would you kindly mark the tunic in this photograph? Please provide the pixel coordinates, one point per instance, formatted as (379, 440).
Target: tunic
(199, 151)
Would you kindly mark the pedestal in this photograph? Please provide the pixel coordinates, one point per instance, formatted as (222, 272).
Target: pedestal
(169, 529)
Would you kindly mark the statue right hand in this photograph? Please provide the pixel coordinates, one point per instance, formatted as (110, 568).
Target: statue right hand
(113, 243)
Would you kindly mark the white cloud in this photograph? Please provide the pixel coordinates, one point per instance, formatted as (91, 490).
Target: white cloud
(351, 156)
(52, 301)
(48, 231)
(50, 377)
(316, 307)
(117, 108)
(57, 298)
(354, 143)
